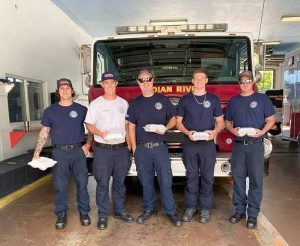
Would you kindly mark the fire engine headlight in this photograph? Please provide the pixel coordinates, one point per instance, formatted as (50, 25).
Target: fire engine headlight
(226, 166)
(268, 147)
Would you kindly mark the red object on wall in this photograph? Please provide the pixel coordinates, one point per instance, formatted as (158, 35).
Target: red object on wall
(15, 137)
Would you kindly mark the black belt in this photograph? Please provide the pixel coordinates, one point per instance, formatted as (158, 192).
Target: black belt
(67, 146)
(150, 145)
(249, 141)
(110, 146)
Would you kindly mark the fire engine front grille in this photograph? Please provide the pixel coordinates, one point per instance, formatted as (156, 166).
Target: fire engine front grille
(175, 155)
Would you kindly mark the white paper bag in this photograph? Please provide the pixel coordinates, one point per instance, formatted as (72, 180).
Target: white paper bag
(200, 135)
(155, 128)
(246, 131)
(42, 163)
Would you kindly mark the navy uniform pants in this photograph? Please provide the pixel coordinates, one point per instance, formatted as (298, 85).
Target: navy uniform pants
(247, 161)
(151, 160)
(70, 162)
(199, 158)
(110, 163)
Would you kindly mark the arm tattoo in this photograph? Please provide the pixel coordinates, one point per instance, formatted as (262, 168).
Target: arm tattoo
(43, 135)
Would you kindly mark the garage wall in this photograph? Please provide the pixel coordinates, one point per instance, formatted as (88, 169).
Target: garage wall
(37, 41)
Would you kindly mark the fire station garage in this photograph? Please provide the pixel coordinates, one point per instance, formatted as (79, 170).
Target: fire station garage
(50, 46)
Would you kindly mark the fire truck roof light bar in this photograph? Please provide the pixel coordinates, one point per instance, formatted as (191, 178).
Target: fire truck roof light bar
(218, 27)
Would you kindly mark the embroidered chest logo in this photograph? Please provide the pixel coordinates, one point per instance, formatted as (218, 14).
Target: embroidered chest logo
(73, 114)
(121, 110)
(206, 104)
(158, 106)
(253, 104)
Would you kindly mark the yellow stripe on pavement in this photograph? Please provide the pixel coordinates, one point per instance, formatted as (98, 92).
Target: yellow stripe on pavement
(23, 191)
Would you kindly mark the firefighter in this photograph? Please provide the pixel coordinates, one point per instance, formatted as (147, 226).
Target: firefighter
(64, 121)
(199, 111)
(106, 117)
(149, 148)
(254, 110)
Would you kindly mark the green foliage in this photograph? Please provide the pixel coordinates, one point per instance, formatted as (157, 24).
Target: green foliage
(267, 81)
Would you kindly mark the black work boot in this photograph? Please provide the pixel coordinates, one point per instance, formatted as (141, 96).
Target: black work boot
(124, 217)
(236, 218)
(61, 221)
(148, 214)
(174, 220)
(251, 223)
(102, 224)
(85, 219)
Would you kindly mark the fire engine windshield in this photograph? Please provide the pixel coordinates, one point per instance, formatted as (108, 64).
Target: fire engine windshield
(173, 60)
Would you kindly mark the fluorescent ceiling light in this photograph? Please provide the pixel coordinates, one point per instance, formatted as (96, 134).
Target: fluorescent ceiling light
(290, 18)
(168, 22)
(273, 42)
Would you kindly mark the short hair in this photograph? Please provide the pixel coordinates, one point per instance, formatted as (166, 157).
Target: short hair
(199, 70)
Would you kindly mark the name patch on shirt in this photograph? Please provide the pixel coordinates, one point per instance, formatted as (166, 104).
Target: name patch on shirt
(121, 110)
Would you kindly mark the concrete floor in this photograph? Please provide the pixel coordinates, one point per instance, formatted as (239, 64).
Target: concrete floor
(29, 220)
(281, 200)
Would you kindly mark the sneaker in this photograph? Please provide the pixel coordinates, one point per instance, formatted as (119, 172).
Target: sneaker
(188, 214)
(204, 216)
(61, 221)
(148, 214)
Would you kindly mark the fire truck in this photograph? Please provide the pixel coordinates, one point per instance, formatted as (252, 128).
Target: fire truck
(173, 52)
(291, 97)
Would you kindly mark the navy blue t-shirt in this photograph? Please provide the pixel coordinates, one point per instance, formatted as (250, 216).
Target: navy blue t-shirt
(249, 111)
(199, 114)
(66, 123)
(156, 109)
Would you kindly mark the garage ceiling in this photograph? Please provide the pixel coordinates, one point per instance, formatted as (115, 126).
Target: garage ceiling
(259, 17)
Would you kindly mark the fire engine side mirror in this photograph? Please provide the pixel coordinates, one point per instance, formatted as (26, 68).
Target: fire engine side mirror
(258, 75)
(85, 60)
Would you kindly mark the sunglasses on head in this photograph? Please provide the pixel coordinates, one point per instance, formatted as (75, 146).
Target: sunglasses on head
(142, 80)
(246, 81)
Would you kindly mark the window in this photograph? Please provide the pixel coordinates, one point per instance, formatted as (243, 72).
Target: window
(25, 100)
(173, 60)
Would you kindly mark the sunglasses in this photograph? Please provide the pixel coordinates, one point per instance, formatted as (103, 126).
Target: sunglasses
(246, 81)
(142, 80)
